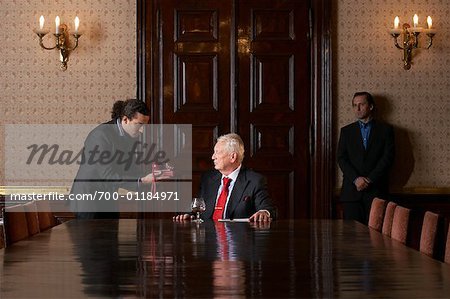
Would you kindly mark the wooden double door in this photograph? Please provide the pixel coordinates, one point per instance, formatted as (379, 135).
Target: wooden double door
(236, 66)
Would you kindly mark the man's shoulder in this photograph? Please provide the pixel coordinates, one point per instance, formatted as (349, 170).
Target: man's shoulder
(350, 126)
(244, 172)
(383, 125)
(210, 174)
(251, 174)
(106, 128)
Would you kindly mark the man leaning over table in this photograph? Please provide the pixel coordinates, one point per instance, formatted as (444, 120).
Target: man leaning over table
(232, 191)
(112, 141)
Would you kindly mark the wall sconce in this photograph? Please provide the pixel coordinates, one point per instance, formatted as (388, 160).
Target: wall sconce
(411, 37)
(61, 39)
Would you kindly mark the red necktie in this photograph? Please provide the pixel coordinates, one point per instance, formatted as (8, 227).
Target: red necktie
(222, 200)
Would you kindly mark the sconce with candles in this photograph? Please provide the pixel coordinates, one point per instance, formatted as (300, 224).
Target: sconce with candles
(61, 39)
(411, 37)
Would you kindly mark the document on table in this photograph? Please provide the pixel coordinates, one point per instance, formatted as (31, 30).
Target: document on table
(235, 220)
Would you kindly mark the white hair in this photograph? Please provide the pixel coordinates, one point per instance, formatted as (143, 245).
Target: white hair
(233, 144)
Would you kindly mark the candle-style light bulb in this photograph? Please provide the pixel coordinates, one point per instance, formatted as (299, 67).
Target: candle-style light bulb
(396, 22)
(77, 24)
(415, 20)
(57, 22)
(41, 22)
(429, 22)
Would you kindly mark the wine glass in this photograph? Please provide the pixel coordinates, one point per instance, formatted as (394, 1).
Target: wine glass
(163, 169)
(168, 169)
(198, 206)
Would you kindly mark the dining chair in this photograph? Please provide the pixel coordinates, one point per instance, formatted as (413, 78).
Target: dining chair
(376, 214)
(400, 224)
(388, 218)
(2, 233)
(45, 215)
(447, 248)
(428, 234)
(32, 217)
(14, 224)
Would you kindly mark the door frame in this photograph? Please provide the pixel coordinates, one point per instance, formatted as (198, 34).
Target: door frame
(321, 151)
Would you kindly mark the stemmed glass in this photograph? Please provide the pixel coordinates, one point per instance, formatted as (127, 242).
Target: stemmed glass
(168, 167)
(163, 169)
(198, 206)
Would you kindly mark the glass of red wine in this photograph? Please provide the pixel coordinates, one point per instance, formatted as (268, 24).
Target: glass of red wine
(198, 206)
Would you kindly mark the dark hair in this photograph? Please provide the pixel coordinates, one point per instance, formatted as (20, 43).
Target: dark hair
(128, 108)
(367, 95)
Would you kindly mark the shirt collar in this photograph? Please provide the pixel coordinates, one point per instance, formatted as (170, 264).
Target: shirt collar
(365, 125)
(233, 176)
(119, 126)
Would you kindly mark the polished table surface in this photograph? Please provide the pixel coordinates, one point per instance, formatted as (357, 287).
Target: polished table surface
(159, 258)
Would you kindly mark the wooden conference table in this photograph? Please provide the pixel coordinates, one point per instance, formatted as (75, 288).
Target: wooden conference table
(159, 258)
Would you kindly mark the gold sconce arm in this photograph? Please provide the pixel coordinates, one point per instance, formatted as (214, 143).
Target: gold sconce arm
(395, 36)
(41, 35)
(430, 39)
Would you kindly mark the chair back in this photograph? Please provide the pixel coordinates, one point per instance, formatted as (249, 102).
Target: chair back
(447, 248)
(14, 224)
(400, 224)
(388, 218)
(377, 213)
(428, 234)
(32, 217)
(45, 215)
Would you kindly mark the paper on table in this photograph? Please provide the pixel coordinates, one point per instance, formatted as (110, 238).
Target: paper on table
(235, 220)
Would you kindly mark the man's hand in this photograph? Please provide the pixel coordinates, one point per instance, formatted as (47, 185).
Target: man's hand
(361, 183)
(260, 216)
(183, 218)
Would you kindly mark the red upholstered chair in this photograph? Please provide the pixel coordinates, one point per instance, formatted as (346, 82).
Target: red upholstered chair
(400, 224)
(377, 213)
(14, 224)
(32, 217)
(428, 235)
(447, 248)
(45, 215)
(388, 218)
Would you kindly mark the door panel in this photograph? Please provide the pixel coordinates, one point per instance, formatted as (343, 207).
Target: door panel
(194, 56)
(274, 105)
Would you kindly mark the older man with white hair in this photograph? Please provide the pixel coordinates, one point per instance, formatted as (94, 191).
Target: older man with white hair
(231, 191)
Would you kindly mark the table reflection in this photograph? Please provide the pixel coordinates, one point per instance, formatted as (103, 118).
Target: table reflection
(160, 258)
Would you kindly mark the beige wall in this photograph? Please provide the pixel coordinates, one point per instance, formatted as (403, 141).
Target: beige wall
(416, 102)
(100, 71)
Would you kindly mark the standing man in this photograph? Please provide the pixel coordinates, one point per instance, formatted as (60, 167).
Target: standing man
(110, 161)
(231, 191)
(365, 155)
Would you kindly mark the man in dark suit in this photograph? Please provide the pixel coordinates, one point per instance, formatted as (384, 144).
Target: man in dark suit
(109, 162)
(231, 191)
(365, 155)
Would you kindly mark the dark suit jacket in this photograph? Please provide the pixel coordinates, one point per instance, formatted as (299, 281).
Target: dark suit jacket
(373, 162)
(107, 174)
(248, 196)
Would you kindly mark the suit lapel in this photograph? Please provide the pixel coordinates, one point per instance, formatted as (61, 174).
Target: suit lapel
(373, 134)
(238, 190)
